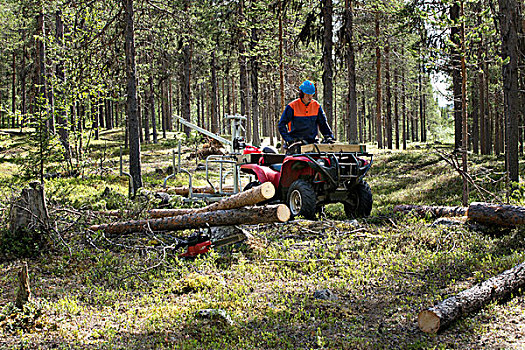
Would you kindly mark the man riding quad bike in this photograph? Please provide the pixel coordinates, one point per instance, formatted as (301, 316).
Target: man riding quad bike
(310, 176)
(316, 175)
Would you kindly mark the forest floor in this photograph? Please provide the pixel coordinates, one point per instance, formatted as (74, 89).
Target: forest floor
(132, 292)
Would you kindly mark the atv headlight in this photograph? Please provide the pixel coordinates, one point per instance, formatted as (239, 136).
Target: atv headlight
(321, 162)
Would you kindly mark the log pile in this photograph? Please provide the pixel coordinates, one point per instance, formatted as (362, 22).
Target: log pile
(210, 148)
(233, 210)
(484, 213)
(498, 287)
(246, 198)
(240, 216)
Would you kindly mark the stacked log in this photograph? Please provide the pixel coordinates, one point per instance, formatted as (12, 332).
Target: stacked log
(246, 198)
(240, 216)
(499, 287)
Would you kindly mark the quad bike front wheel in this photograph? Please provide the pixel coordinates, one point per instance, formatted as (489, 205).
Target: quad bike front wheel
(360, 201)
(301, 199)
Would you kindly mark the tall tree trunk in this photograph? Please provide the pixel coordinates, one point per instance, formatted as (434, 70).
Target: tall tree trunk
(63, 130)
(396, 107)
(255, 87)
(379, 123)
(421, 102)
(281, 57)
(474, 93)
(404, 103)
(328, 64)
(186, 78)
(164, 108)
(169, 126)
(456, 72)
(464, 141)
(145, 115)
(214, 117)
(13, 90)
(23, 89)
(388, 98)
(131, 109)
(152, 110)
(351, 126)
(42, 95)
(243, 84)
(508, 17)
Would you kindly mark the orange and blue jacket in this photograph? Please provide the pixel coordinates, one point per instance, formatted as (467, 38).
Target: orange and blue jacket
(300, 122)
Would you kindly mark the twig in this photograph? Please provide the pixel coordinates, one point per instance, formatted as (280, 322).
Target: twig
(455, 164)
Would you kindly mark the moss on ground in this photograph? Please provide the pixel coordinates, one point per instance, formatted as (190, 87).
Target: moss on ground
(98, 292)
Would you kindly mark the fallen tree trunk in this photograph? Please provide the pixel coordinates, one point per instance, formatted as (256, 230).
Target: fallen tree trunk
(243, 216)
(496, 288)
(496, 214)
(484, 213)
(432, 211)
(246, 198)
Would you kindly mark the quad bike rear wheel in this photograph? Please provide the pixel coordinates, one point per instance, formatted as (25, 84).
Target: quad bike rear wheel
(301, 199)
(360, 204)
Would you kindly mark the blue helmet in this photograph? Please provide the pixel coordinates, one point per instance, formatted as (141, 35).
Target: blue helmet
(307, 87)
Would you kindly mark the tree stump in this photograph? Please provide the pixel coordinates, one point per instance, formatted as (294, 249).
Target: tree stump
(23, 293)
(29, 211)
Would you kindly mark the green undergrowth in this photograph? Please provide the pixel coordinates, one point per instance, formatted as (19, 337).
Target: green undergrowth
(133, 291)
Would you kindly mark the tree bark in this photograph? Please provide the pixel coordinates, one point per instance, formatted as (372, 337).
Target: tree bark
(29, 212)
(351, 127)
(455, 39)
(131, 106)
(63, 130)
(496, 214)
(379, 122)
(255, 86)
(496, 288)
(388, 123)
(250, 197)
(23, 294)
(508, 18)
(213, 83)
(244, 216)
(327, 13)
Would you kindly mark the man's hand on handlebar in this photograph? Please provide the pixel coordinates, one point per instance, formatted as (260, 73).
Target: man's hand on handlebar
(328, 140)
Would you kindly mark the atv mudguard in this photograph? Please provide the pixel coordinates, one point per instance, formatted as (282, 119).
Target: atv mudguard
(263, 173)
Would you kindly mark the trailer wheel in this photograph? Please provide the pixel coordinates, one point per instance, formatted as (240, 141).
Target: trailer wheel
(301, 199)
(360, 203)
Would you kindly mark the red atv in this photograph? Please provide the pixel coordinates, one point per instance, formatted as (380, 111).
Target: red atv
(314, 175)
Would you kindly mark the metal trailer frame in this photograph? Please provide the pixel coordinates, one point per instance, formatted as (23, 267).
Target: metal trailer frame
(236, 145)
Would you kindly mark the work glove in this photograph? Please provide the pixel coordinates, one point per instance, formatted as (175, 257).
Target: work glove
(329, 140)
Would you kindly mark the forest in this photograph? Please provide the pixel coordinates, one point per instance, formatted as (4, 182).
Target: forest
(137, 113)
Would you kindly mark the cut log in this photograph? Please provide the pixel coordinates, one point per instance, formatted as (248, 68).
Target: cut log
(496, 214)
(496, 288)
(29, 211)
(243, 216)
(432, 211)
(23, 294)
(246, 198)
